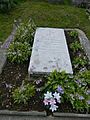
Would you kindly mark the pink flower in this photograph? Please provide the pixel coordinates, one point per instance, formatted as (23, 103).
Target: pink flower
(52, 101)
(46, 102)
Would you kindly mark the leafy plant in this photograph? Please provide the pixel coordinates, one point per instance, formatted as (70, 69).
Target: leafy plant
(75, 46)
(25, 32)
(70, 89)
(21, 47)
(85, 76)
(23, 93)
(79, 62)
(73, 34)
(19, 52)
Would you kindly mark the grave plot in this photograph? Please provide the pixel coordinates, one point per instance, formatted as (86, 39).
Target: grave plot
(17, 92)
(49, 52)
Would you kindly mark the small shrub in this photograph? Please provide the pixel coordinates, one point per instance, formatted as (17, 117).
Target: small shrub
(25, 32)
(23, 93)
(19, 52)
(20, 49)
(70, 89)
(85, 76)
(75, 46)
(74, 34)
(79, 62)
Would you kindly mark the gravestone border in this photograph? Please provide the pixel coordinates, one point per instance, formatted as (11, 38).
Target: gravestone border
(82, 37)
(86, 45)
(41, 115)
(85, 42)
(4, 47)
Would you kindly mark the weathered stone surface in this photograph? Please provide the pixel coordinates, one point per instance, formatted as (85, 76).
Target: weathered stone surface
(39, 118)
(84, 42)
(2, 59)
(49, 52)
(6, 44)
(4, 47)
(11, 115)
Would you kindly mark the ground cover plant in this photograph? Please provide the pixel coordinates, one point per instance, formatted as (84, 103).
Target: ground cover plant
(55, 92)
(79, 59)
(20, 49)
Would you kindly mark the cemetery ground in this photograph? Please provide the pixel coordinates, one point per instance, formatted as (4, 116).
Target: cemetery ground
(17, 91)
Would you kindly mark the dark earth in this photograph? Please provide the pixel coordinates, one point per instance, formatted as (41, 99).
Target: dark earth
(12, 77)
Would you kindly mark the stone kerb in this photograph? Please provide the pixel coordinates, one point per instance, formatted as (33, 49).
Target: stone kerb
(34, 115)
(85, 42)
(4, 47)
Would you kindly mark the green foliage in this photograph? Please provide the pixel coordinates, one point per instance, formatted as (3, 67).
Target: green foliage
(20, 49)
(23, 93)
(75, 46)
(6, 5)
(85, 76)
(74, 90)
(74, 34)
(25, 32)
(79, 62)
(19, 52)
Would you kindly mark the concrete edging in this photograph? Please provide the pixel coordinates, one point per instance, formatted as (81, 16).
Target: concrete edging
(4, 47)
(86, 44)
(42, 114)
(19, 113)
(84, 41)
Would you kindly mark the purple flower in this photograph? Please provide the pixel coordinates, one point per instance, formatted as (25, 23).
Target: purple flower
(81, 98)
(60, 90)
(78, 81)
(88, 101)
(52, 101)
(46, 102)
(88, 92)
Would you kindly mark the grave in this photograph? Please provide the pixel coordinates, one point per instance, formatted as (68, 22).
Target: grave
(49, 52)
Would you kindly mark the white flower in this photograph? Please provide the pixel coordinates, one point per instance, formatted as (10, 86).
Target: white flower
(53, 108)
(48, 95)
(57, 96)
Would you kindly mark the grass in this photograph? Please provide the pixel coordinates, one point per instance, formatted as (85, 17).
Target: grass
(46, 15)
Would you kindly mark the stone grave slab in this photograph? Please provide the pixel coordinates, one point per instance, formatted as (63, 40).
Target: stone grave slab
(50, 52)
